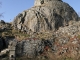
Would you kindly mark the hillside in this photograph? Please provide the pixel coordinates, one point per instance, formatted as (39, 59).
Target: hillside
(50, 30)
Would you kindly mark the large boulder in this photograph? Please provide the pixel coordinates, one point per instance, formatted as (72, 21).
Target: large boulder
(47, 16)
(32, 47)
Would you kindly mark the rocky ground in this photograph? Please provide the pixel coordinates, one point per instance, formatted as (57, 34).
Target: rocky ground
(64, 43)
(48, 31)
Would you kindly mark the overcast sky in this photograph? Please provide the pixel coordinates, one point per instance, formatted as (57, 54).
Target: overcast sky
(11, 8)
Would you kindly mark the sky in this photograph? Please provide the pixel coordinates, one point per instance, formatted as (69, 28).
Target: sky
(11, 8)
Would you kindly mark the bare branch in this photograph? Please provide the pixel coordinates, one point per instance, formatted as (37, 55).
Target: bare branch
(0, 4)
(1, 14)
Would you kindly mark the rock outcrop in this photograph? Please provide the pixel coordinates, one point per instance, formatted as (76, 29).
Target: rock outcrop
(40, 2)
(32, 47)
(4, 25)
(49, 15)
(58, 27)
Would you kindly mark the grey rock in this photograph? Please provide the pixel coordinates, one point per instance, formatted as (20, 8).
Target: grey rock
(32, 48)
(4, 26)
(46, 17)
(40, 2)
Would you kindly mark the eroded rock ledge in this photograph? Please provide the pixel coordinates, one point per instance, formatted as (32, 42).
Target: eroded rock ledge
(46, 17)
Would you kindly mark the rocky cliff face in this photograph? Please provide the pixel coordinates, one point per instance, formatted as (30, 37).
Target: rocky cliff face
(58, 28)
(48, 16)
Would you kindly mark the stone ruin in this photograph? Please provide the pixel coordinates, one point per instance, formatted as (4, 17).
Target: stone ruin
(30, 48)
(40, 2)
(12, 50)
